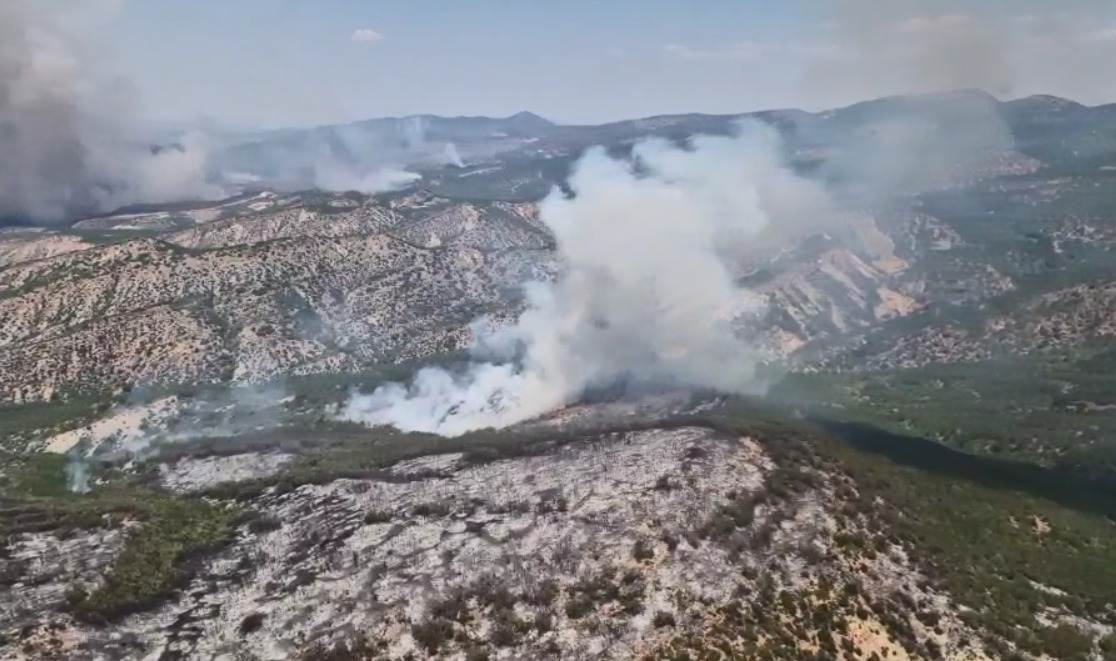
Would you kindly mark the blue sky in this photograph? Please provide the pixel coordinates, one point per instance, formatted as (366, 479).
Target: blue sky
(296, 62)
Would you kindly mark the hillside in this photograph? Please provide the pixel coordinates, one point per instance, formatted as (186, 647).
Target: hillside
(676, 534)
(931, 475)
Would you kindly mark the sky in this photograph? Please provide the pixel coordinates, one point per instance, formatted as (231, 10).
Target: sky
(271, 63)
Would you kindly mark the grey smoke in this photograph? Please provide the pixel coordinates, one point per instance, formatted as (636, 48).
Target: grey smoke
(867, 48)
(939, 66)
(369, 157)
(646, 294)
(77, 474)
(907, 47)
(367, 170)
(340, 177)
(413, 134)
(917, 144)
(213, 413)
(413, 131)
(69, 138)
(452, 157)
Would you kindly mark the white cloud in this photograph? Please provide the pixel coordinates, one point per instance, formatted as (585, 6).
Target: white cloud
(744, 51)
(365, 36)
(930, 24)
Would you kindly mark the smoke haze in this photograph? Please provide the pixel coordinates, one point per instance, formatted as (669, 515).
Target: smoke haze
(908, 47)
(650, 252)
(646, 296)
(338, 177)
(948, 59)
(860, 49)
(68, 144)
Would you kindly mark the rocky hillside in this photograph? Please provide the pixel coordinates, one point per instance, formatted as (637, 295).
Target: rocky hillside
(290, 290)
(302, 284)
(269, 283)
(309, 285)
(1065, 318)
(28, 245)
(661, 537)
(934, 481)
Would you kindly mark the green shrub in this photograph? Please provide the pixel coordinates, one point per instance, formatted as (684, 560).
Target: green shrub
(158, 558)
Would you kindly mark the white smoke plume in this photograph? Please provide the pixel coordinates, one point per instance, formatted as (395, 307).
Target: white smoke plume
(452, 155)
(647, 296)
(77, 475)
(69, 138)
(413, 131)
(338, 177)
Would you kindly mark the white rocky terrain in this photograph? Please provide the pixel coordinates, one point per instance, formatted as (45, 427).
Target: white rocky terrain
(28, 245)
(309, 285)
(614, 547)
(177, 481)
(257, 299)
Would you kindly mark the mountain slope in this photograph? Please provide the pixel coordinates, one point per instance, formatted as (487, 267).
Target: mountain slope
(671, 536)
(933, 479)
(286, 291)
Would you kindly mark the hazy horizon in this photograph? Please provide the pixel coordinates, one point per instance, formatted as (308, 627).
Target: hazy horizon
(261, 65)
(178, 124)
(87, 85)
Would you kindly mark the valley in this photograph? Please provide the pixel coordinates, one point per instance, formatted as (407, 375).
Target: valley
(935, 442)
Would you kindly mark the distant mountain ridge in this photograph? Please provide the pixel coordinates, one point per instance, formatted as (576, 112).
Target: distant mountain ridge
(527, 119)
(525, 146)
(293, 155)
(350, 155)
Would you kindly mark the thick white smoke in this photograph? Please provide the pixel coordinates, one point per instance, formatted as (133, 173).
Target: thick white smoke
(69, 138)
(649, 250)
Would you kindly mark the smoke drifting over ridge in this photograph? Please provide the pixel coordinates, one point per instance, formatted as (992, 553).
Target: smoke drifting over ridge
(937, 65)
(860, 49)
(369, 157)
(646, 296)
(339, 177)
(908, 47)
(68, 138)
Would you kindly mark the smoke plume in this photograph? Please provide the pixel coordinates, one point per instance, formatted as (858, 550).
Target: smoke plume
(69, 143)
(452, 155)
(340, 177)
(149, 420)
(77, 474)
(650, 249)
